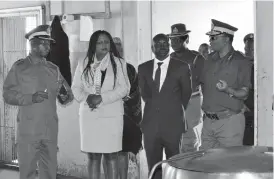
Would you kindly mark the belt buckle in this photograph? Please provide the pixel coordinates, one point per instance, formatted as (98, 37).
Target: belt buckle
(212, 116)
(216, 117)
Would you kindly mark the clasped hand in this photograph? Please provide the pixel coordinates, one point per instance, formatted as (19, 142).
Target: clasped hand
(39, 96)
(93, 100)
(222, 85)
(63, 95)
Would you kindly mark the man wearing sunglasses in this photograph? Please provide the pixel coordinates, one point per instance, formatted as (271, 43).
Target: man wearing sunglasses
(179, 37)
(225, 83)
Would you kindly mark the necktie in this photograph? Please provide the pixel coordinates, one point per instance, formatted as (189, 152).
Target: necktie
(158, 76)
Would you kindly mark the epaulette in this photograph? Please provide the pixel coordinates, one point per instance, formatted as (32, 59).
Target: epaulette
(241, 52)
(212, 54)
(20, 61)
(52, 64)
(239, 55)
(195, 52)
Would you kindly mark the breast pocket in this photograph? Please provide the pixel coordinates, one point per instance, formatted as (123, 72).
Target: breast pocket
(29, 84)
(230, 76)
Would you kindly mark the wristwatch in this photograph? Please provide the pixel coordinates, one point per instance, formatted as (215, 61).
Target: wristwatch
(230, 93)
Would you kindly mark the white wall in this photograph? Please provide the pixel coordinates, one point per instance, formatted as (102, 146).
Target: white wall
(19, 4)
(197, 16)
(264, 63)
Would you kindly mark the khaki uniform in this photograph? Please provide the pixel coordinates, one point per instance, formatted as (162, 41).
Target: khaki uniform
(37, 122)
(224, 121)
(193, 112)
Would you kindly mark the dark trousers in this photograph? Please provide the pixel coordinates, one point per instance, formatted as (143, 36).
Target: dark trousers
(154, 144)
(249, 129)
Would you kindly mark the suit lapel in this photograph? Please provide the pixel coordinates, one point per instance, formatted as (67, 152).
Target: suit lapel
(171, 66)
(149, 70)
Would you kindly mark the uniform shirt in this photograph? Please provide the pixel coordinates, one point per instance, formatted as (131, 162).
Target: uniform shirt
(196, 63)
(27, 76)
(164, 68)
(232, 68)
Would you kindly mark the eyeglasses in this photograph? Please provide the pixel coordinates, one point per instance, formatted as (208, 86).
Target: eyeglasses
(212, 38)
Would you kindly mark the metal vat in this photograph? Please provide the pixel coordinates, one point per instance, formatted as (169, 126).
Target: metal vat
(242, 162)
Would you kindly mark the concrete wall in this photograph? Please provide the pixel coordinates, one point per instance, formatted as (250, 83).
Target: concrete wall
(264, 63)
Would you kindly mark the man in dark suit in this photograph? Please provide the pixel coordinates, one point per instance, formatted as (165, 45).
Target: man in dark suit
(165, 86)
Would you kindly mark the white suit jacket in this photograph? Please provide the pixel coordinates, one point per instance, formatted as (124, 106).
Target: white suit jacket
(112, 99)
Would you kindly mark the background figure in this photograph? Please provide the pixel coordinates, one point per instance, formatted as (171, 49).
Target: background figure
(249, 102)
(132, 135)
(59, 54)
(100, 84)
(119, 46)
(165, 85)
(179, 40)
(204, 50)
(33, 84)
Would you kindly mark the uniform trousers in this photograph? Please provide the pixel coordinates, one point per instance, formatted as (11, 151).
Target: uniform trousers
(225, 132)
(41, 152)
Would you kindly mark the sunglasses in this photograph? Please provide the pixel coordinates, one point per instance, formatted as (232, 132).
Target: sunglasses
(212, 38)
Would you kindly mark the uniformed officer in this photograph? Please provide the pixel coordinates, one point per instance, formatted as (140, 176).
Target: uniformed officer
(179, 39)
(33, 84)
(225, 82)
(249, 102)
(249, 46)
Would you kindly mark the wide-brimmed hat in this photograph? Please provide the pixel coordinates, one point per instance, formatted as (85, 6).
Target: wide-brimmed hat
(178, 30)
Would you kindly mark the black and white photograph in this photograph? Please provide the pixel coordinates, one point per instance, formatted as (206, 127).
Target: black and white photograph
(136, 89)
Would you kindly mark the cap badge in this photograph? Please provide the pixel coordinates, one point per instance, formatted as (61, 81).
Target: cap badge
(175, 30)
(48, 30)
(212, 26)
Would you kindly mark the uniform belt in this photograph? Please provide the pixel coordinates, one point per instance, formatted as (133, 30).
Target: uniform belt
(220, 115)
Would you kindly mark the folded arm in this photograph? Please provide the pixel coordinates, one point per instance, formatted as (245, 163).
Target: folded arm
(12, 91)
(244, 78)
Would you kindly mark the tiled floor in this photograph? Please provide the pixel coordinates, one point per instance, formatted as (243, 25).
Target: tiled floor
(14, 174)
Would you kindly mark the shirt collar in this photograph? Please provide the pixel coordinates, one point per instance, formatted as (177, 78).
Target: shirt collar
(34, 60)
(165, 61)
(228, 56)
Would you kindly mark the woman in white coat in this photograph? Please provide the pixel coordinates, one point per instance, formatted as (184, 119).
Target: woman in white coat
(100, 83)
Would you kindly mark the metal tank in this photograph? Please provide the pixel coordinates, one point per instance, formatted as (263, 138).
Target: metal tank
(243, 162)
